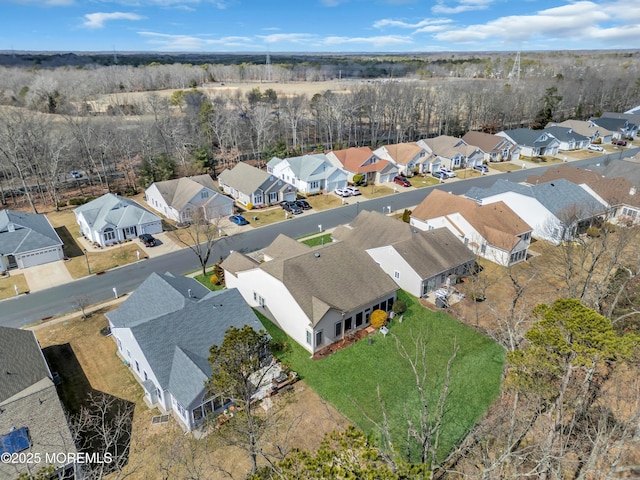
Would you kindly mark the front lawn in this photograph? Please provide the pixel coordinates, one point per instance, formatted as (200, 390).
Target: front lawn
(349, 378)
(318, 240)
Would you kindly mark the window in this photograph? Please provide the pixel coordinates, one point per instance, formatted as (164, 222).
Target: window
(483, 248)
(273, 197)
(159, 392)
(396, 274)
(629, 212)
(367, 314)
(204, 194)
(318, 338)
(376, 307)
(358, 319)
(308, 337)
(137, 367)
(144, 374)
(347, 324)
(128, 353)
(389, 303)
(109, 234)
(338, 329)
(383, 305)
(129, 231)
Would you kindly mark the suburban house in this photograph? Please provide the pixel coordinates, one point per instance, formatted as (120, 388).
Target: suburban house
(419, 261)
(26, 240)
(32, 419)
(111, 218)
(164, 331)
(309, 174)
(410, 158)
(494, 231)
(556, 210)
(318, 296)
(250, 185)
(568, 138)
(453, 152)
(361, 160)
(593, 132)
(494, 147)
(620, 127)
(532, 143)
(179, 199)
(618, 194)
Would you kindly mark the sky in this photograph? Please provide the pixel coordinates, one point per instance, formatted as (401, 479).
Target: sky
(341, 26)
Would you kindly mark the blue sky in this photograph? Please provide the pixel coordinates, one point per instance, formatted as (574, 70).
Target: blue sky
(317, 25)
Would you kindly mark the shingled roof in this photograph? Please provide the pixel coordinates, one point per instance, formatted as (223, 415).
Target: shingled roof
(24, 232)
(175, 336)
(110, 209)
(178, 192)
(496, 222)
(21, 362)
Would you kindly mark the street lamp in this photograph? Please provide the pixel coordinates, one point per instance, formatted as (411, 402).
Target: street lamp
(86, 257)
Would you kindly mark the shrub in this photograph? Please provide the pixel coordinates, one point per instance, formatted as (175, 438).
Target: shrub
(406, 216)
(358, 179)
(378, 318)
(593, 232)
(399, 307)
(609, 227)
(249, 206)
(77, 201)
(62, 204)
(214, 280)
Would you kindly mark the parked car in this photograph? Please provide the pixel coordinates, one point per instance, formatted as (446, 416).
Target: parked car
(439, 174)
(355, 191)
(291, 207)
(619, 142)
(75, 174)
(400, 180)
(481, 168)
(448, 173)
(303, 204)
(342, 192)
(595, 148)
(239, 220)
(148, 240)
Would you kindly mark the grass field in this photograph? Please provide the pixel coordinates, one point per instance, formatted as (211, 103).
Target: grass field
(8, 284)
(318, 240)
(349, 378)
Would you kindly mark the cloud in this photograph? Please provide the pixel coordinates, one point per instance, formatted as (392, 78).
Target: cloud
(378, 42)
(299, 38)
(47, 3)
(462, 6)
(576, 22)
(191, 43)
(97, 20)
(388, 22)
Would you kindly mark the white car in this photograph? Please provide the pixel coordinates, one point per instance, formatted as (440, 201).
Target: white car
(355, 191)
(448, 173)
(595, 148)
(342, 192)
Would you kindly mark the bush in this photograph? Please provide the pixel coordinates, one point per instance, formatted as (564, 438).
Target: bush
(62, 204)
(406, 216)
(358, 179)
(593, 232)
(378, 318)
(249, 206)
(214, 280)
(78, 201)
(398, 307)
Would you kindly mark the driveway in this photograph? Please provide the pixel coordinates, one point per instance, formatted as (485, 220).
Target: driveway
(46, 276)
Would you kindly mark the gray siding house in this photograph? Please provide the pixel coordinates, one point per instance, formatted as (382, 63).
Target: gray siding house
(250, 185)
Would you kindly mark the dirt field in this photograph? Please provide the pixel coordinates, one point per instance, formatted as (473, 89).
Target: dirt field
(87, 362)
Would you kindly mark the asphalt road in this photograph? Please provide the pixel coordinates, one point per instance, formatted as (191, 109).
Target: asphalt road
(27, 309)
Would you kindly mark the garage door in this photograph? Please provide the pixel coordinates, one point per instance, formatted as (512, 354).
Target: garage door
(38, 258)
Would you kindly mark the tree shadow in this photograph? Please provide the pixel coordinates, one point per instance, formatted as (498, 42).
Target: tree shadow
(92, 412)
(70, 247)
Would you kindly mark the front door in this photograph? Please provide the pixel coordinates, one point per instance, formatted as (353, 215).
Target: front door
(12, 261)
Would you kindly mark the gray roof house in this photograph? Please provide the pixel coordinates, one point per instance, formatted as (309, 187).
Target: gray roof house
(418, 261)
(628, 168)
(453, 152)
(619, 126)
(111, 218)
(26, 240)
(588, 129)
(180, 198)
(250, 185)
(164, 331)
(532, 142)
(32, 419)
(317, 295)
(495, 148)
(556, 210)
(569, 139)
(309, 174)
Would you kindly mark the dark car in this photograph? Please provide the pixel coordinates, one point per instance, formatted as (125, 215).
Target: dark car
(291, 207)
(147, 240)
(303, 204)
(401, 181)
(619, 142)
(239, 220)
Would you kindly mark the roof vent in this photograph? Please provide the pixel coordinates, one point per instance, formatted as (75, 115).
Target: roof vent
(317, 255)
(632, 191)
(189, 292)
(11, 227)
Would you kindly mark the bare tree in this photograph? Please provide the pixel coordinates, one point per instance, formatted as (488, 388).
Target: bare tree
(199, 236)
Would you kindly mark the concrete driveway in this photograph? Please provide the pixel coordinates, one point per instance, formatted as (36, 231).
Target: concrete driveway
(46, 276)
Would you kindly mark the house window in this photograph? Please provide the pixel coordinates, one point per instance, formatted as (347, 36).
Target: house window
(313, 184)
(204, 194)
(109, 234)
(273, 197)
(129, 231)
(347, 324)
(257, 198)
(318, 338)
(137, 367)
(128, 354)
(144, 374)
(338, 329)
(197, 414)
(358, 319)
(308, 337)
(396, 274)
(629, 213)
(483, 248)
(389, 303)
(383, 305)
(159, 392)
(119, 343)
(376, 307)
(367, 314)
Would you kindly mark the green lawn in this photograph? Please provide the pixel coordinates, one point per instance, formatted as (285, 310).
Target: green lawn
(349, 378)
(318, 240)
(205, 280)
